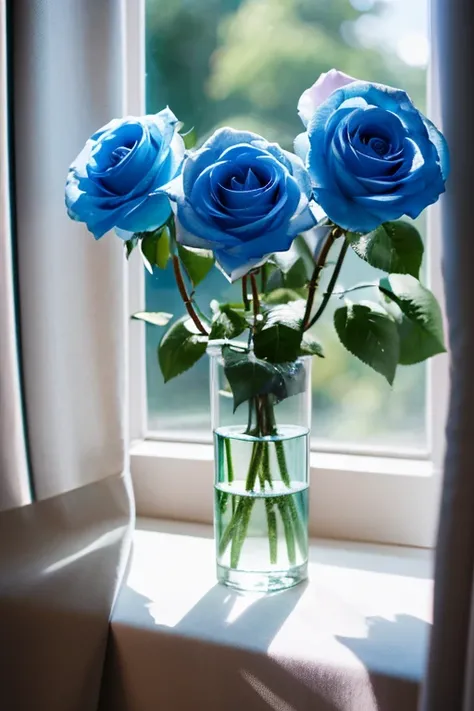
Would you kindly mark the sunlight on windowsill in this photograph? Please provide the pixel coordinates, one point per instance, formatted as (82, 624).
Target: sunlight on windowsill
(365, 612)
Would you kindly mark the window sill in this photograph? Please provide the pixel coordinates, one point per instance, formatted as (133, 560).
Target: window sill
(354, 638)
(397, 499)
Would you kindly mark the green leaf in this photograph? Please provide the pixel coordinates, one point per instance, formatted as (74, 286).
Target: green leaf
(196, 262)
(297, 277)
(285, 261)
(227, 323)
(420, 325)
(235, 305)
(156, 318)
(249, 376)
(290, 380)
(146, 262)
(130, 245)
(310, 346)
(280, 337)
(181, 346)
(155, 248)
(163, 249)
(294, 278)
(299, 251)
(190, 138)
(395, 247)
(369, 333)
(284, 296)
(172, 231)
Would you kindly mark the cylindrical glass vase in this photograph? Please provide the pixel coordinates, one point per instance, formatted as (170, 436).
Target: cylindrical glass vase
(261, 482)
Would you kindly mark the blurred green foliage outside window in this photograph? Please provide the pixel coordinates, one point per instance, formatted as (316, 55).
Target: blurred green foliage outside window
(244, 63)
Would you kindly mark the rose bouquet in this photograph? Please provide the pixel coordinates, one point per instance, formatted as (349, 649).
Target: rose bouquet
(270, 219)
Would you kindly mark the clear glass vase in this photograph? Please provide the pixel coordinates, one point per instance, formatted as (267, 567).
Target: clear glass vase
(261, 483)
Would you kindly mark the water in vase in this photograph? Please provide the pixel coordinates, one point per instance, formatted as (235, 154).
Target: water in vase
(261, 504)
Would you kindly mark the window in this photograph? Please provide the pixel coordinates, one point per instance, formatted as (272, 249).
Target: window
(245, 63)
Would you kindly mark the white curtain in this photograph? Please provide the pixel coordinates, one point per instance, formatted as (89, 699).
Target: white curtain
(14, 484)
(450, 678)
(64, 483)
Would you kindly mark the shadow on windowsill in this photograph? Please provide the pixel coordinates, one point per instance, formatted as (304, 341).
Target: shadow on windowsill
(215, 653)
(210, 656)
(393, 649)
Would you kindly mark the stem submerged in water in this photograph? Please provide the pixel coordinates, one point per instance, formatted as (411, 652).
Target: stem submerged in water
(300, 533)
(230, 466)
(272, 531)
(267, 474)
(288, 528)
(254, 465)
(241, 533)
(259, 480)
(281, 459)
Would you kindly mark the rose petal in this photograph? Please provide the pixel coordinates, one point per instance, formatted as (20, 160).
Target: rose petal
(326, 83)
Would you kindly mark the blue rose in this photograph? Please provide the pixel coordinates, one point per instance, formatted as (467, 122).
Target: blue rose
(373, 156)
(112, 181)
(243, 198)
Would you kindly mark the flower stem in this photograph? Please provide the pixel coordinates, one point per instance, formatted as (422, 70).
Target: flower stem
(331, 285)
(241, 533)
(281, 459)
(230, 466)
(288, 528)
(318, 268)
(267, 474)
(231, 528)
(184, 295)
(250, 417)
(270, 418)
(301, 538)
(263, 277)
(236, 529)
(245, 296)
(254, 465)
(272, 530)
(255, 299)
(222, 498)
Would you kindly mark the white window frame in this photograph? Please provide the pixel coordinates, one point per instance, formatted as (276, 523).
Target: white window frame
(370, 494)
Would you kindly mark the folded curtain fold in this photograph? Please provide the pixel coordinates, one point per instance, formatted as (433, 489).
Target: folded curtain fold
(64, 474)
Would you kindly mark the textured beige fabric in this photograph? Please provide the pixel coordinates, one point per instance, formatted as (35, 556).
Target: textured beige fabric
(61, 558)
(451, 669)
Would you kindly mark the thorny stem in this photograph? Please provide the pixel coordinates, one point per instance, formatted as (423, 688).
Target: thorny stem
(255, 299)
(184, 295)
(331, 285)
(319, 266)
(263, 277)
(245, 297)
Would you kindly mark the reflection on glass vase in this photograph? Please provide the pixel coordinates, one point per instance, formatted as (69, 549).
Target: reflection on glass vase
(261, 483)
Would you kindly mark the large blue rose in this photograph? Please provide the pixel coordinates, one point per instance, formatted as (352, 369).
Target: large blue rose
(373, 156)
(110, 184)
(243, 198)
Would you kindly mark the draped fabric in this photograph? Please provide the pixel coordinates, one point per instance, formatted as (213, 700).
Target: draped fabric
(14, 483)
(450, 678)
(65, 498)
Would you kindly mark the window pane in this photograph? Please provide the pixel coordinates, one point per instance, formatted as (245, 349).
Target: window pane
(244, 63)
